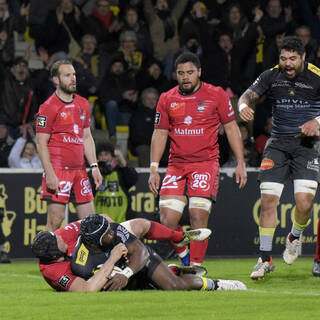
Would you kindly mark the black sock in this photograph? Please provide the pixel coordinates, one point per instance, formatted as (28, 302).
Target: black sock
(265, 255)
(292, 237)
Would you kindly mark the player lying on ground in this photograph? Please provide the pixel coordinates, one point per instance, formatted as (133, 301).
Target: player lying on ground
(139, 268)
(55, 249)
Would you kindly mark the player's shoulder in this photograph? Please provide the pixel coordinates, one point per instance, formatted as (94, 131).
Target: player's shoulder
(51, 102)
(313, 69)
(212, 89)
(171, 92)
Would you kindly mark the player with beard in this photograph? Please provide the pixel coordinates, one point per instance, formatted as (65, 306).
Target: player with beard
(293, 88)
(190, 114)
(63, 140)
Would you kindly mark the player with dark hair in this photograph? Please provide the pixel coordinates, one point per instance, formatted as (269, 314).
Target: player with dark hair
(63, 140)
(141, 268)
(293, 88)
(54, 251)
(190, 114)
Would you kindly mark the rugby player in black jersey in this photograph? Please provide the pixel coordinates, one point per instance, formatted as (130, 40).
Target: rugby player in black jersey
(293, 87)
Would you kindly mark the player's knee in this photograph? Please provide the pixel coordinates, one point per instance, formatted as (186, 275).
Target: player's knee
(172, 204)
(200, 203)
(176, 284)
(305, 186)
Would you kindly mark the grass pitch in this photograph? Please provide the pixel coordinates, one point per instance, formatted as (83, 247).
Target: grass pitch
(291, 292)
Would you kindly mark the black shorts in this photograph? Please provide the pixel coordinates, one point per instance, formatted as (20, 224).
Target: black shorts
(143, 279)
(290, 158)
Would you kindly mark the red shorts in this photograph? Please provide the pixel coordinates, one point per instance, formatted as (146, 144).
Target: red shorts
(75, 180)
(201, 179)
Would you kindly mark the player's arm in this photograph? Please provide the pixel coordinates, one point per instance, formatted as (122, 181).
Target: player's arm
(138, 256)
(96, 282)
(158, 145)
(246, 104)
(90, 154)
(43, 150)
(234, 137)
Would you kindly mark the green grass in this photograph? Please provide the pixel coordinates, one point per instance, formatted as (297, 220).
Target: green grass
(291, 292)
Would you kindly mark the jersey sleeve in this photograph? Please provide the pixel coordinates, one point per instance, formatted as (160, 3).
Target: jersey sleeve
(225, 109)
(261, 84)
(161, 120)
(122, 235)
(45, 118)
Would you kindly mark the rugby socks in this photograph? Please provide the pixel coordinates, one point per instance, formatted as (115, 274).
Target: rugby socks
(158, 231)
(198, 250)
(181, 251)
(317, 256)
(209, 284)
(266, 237)
(297, 229)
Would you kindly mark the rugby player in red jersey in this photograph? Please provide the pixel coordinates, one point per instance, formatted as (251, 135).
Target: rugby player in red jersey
(190, 114)
(63, 140)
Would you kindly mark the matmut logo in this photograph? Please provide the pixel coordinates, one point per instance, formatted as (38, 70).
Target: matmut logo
(69, 139)
(188, 132)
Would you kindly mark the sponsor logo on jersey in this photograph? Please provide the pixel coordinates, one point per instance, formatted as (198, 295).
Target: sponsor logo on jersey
(303, 85)
(86, 186)
(69, 106)
(177, 109)
(63, 281)
(42, 121)
(170, 182)
(313, 165)
(76, 140)
(188, 132)
(76, 128)
(266, 164)
(122, 233)
(82, 255)
(157, 118)
(188, 120)
(66, 117)
(203, 105)
(200, 181)
(231, 112)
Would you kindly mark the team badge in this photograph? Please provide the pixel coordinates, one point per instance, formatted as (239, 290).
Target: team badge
(157, 118)
(63, 281)
(266, 164)
(177, 109)
(188, 120)
(42, 121)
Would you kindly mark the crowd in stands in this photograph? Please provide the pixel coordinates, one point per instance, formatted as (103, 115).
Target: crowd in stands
(124, 51)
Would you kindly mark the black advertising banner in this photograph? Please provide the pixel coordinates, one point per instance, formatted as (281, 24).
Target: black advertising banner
(233, 219)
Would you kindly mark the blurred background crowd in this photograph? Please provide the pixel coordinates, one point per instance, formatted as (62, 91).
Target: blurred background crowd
(124, 51)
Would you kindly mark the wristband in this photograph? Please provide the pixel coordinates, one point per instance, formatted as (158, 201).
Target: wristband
(242, 106)
(94, 165)
(318, 119)
(154, 167)
(127, 272)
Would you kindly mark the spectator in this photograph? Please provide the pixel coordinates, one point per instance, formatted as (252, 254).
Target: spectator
(6, 143)
(24, 152)
(152, 76)
(128, 40)
(112, 197)
(8, 24)
(118, 96)
(163, 26)
(18, 103)
(310, 45)
(131, 22)
(64, 28)
(141, 126)
(262, 139)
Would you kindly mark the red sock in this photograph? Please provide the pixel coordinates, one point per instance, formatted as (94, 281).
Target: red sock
(198, 251)
(178, 249)
(317, 256)
(158, 231)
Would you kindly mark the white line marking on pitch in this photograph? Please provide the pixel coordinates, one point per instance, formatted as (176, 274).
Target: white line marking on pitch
(286, 292)
(19, 275)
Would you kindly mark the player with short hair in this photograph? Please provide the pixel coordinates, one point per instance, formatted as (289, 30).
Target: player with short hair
(63, 140)
(190, 114)
(141, 268)
(293, 87)
(54, 251)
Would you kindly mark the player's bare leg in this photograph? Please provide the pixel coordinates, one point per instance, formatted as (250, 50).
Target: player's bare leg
(84, 209)
(55, 215)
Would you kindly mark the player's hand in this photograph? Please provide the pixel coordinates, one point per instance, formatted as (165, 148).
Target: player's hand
(117, 282)
(310, 128)
(154, 182)
(241, 174)
(53, 182)
(97, 178)
(246, 114)
(119, 251)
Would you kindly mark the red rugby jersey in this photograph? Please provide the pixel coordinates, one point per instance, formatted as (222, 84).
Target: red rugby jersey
(65, 123)
(193, 121)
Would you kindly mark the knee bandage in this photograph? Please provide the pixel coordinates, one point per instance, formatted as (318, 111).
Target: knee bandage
(305, 186)
(200, 203)
(173, 204)
(273, 188)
